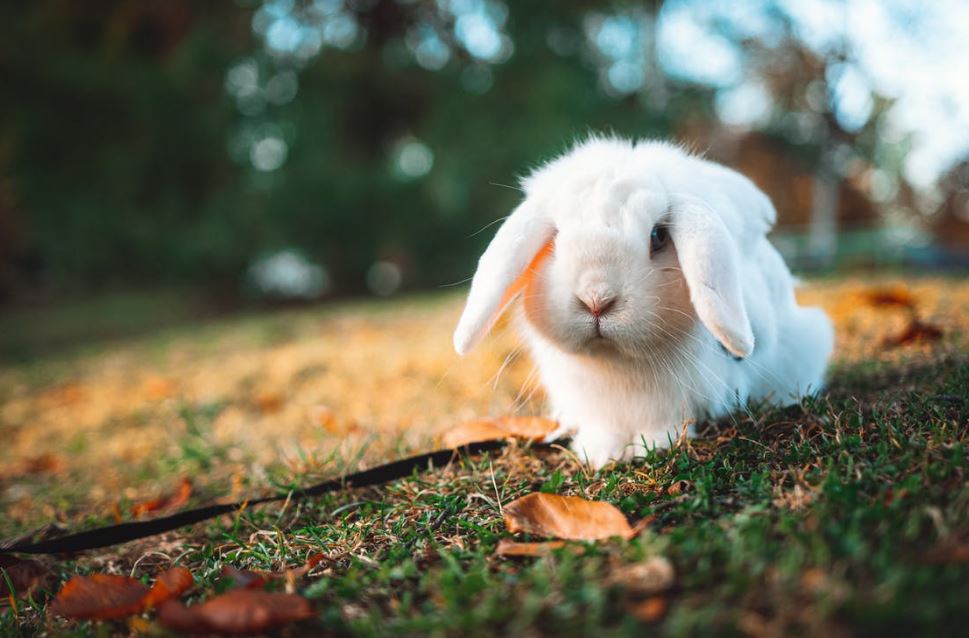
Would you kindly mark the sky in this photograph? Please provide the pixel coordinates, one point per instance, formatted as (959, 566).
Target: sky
(916, 53)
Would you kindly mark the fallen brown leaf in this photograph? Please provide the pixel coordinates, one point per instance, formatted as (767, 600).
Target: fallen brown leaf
(650, 610)
(158, 388)
(179, 498)
(568, 517)
(507, 547)
(949, 553)
(171, 583)
(26, 576)
(649, 577)
(244, 578)
(529, 428)
(293, 574)
(916, 330)
(40, 464)
(108, 596)
(897, 296)
(99, 596)
(238, 611)
(269, 402)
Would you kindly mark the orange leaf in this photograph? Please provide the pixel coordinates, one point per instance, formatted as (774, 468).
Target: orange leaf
(180, 497)
(507, 547)
(529, 428)
(269, 402)
(915, 331)
(899, 297)
(40, 464)
(651, 609)
(177, 499)
(101, 596)
(568, 517)
(239, 611)
(170, 584)
(158, 388)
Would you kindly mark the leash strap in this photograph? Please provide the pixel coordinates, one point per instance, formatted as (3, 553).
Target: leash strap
(124, 532)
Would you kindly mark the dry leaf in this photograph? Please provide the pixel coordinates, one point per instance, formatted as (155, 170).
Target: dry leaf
(650, 610)
(295, 573)
(239, 611)
(915, 331)
(507, 547)
(172, 583)
(269, 402)
(40, 464)
(948, 553)
(897, 296)
(244, 578)
(179, 498)
(26, 576)
(648, 577)
(568, 517)
(100, 596)
(158, 388)
(107, 596)
(529, 428)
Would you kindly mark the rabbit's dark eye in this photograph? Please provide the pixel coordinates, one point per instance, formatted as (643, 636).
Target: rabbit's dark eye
(658, 238)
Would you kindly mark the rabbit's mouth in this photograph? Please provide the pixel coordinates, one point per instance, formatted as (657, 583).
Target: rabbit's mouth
(599, 344)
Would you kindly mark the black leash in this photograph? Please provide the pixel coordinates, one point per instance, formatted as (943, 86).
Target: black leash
(124, 532)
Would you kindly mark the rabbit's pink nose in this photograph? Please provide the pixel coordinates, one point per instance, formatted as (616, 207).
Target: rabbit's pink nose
(597, 305)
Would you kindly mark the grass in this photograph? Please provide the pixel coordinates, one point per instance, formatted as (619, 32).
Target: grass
(846, 515)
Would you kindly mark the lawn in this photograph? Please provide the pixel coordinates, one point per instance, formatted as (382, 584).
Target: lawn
(846, 515)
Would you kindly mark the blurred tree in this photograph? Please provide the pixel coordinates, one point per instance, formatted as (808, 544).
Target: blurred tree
(172, 141)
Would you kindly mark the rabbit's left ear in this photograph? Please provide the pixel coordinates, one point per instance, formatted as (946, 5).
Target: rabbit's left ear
(524, 240)
(710, 266)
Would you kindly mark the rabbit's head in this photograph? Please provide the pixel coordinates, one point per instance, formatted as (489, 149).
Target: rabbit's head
(619, 249)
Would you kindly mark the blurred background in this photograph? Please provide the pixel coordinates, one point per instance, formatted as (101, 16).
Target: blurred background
(164, 160)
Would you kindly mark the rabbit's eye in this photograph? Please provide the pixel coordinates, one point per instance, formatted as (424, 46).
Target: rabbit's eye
(658, 238)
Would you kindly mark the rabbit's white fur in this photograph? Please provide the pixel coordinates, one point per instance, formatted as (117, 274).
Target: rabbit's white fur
(658, 359)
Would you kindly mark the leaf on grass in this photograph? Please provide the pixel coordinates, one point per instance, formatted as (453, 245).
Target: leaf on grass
(172, 583)
(244, 578)
(99, 596)
(950, 553)
(269, 402)
(40, 464)
(507, 547)
(158, 388)
(646, 578)
(650, 610)
(529, 428)
(915, 331)
(295, 573)
(898, 297)
(179, 498)
(26, 576)
(108, 596)
(239, 611)
(568, 517)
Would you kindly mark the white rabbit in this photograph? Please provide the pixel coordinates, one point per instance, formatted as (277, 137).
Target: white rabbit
(651, 296)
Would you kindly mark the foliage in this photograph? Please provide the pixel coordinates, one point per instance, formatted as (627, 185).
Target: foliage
(170, 142)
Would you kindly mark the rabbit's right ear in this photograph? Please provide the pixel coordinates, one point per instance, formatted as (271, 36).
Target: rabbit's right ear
(524, 240)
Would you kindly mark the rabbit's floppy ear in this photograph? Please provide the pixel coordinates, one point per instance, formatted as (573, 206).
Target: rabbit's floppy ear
(710, 266)
(524, 240)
